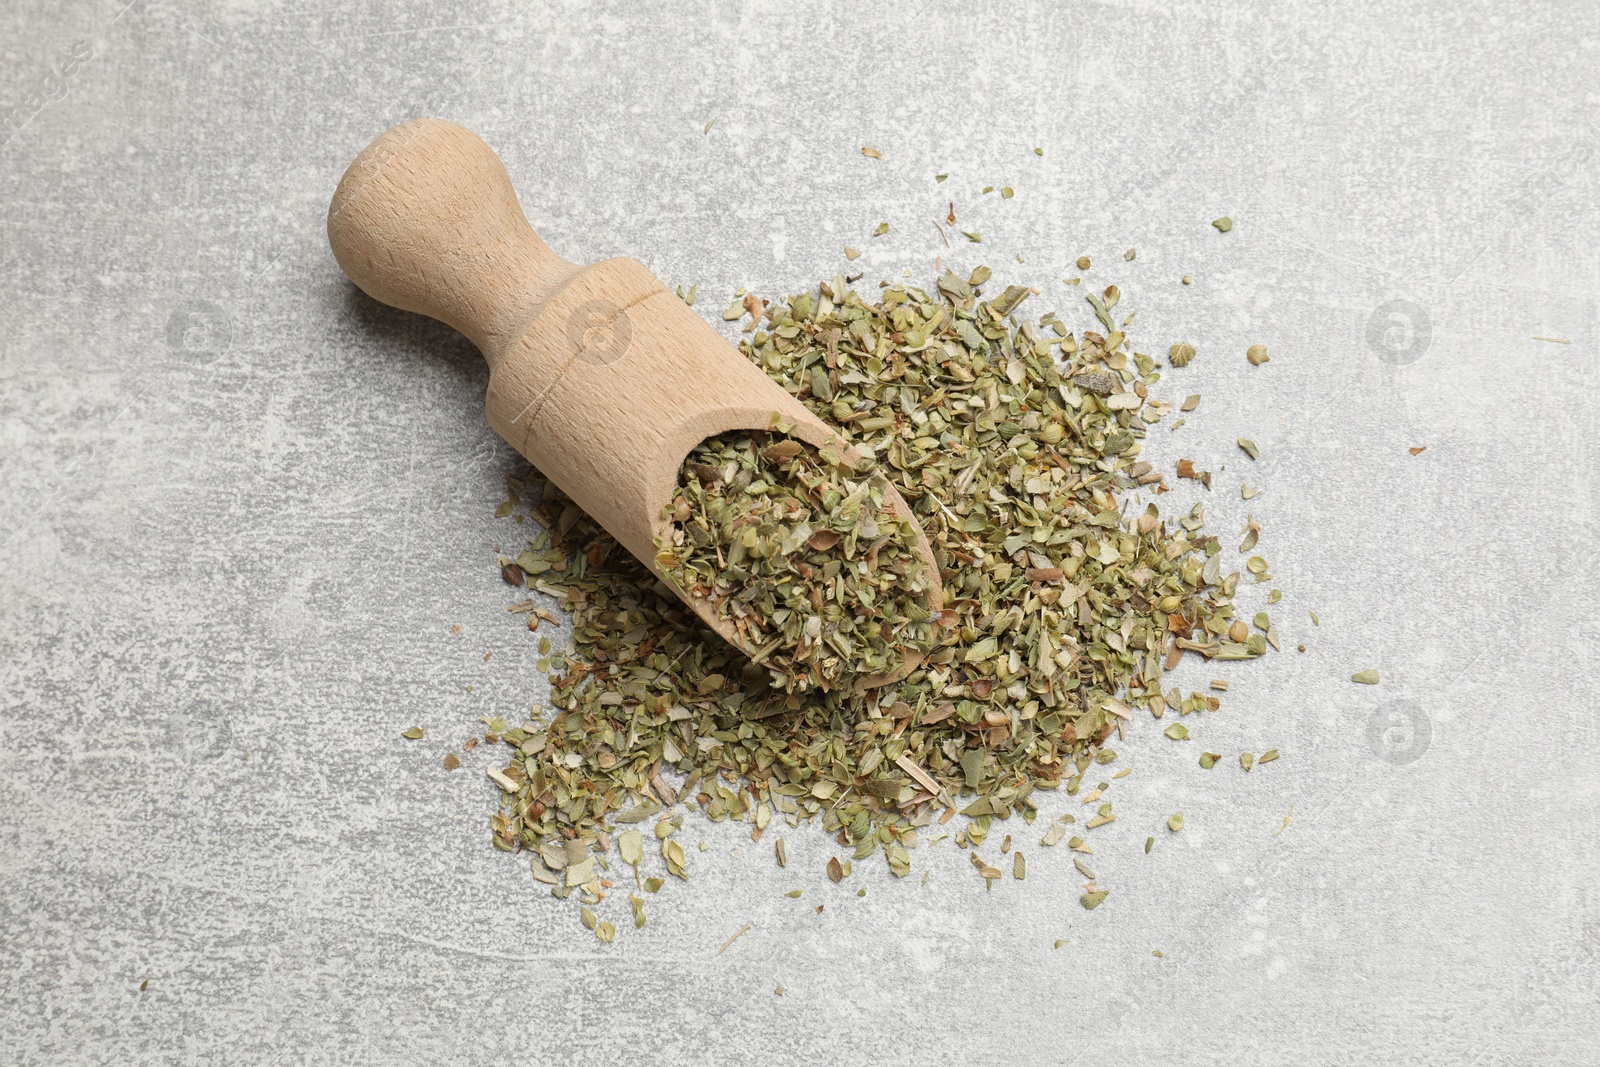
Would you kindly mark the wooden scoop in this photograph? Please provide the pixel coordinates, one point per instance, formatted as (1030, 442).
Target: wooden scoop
(599, 375)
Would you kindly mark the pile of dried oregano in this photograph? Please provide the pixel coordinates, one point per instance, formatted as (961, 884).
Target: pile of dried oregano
(1017, 444)
(802, 553)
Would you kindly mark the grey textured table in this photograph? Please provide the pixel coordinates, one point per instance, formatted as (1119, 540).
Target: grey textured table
(242, 507)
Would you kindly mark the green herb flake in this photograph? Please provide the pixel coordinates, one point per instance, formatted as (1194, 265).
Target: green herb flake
(1366, 677)
(1174, 822)
(1091, 901)
(1223, 224)
(677, 862)
(630, 846)
(1249, 448)
(413, 733)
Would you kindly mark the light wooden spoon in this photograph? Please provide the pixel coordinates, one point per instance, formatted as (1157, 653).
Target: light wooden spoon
(599, 375)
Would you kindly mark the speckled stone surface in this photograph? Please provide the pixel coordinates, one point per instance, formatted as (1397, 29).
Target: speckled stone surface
(242, 508)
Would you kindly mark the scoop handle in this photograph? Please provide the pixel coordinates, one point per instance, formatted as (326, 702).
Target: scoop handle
(426, 219)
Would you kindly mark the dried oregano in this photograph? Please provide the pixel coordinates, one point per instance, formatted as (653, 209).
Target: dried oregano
(802, 553)
(1017, 444)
